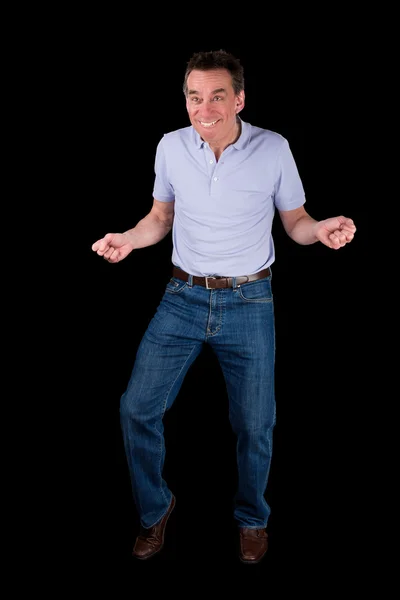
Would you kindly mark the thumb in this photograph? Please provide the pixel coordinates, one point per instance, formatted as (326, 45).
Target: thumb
(116, 240)
(103, 243)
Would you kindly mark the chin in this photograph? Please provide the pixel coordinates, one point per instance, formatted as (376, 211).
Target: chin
(204, 133)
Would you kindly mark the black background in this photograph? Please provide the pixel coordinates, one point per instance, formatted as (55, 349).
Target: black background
(122, 97)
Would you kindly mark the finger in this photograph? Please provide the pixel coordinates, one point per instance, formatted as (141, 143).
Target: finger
(102, 244)
(349, 223)
(341, 237)
(102, 251)
(344, 236)
(345, 222)
(103, 247)
(335, 240)
(109, 252)
(114, 256)
(98, 245)
(350, 228)
(338, 239)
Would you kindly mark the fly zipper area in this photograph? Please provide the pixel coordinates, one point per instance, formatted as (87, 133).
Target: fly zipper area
(216, 312)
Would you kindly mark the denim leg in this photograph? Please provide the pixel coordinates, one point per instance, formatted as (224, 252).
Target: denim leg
(168, 348)
(245, 347)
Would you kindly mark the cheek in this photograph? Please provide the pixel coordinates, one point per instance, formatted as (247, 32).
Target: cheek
(191, 110)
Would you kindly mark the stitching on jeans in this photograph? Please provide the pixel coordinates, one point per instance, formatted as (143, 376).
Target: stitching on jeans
(257, 300)
(164, 410)
(176, 291)
(219, 310)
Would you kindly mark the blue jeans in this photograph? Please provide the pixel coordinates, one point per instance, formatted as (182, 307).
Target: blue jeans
(238, 323)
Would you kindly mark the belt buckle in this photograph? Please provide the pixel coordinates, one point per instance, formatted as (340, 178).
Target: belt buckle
(207, 278)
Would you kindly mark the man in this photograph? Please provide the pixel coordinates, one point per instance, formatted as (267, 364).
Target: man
(217, 185)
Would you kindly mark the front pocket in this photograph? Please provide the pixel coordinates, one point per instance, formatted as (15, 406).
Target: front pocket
(256, 291)
(175, 286)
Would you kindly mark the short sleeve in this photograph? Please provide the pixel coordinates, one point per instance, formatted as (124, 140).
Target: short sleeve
(289, 191)
(162, 190)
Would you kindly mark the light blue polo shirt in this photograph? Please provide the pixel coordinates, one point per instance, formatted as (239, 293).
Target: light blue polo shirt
(224, 210)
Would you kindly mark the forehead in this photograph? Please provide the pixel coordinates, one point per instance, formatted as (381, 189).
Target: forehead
(206, 81)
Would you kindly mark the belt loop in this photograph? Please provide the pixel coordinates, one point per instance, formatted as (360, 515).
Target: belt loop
(190, 281)
(234, 283)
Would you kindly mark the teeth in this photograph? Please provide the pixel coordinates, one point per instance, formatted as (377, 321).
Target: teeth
(208, 124)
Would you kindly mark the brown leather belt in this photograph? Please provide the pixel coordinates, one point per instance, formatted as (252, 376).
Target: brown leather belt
(212, 283)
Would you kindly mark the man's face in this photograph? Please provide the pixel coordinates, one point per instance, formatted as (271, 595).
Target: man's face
(212, 105)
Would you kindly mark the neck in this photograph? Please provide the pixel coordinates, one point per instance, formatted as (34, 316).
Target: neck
(219, 147)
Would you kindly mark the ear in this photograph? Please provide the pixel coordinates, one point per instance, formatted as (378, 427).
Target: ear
(240, 102)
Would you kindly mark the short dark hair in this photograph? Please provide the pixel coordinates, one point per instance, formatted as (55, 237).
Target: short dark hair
(216, 59)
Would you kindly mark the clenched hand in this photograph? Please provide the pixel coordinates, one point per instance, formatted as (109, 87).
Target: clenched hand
(335, 232)
(113, 247)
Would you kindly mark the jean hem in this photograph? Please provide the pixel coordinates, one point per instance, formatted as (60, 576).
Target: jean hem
(240, 525)
(162, 516)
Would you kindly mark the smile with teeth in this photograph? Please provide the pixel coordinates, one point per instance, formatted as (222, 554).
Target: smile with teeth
(204, 124)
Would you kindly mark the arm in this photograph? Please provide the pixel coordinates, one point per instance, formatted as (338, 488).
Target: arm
(153, 227)
(303, 229)
(114, 247)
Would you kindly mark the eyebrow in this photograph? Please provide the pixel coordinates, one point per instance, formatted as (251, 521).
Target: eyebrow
(217, 91)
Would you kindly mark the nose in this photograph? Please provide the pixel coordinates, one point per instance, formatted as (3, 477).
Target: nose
(206, 110)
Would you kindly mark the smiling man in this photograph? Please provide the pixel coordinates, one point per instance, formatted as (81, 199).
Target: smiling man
(213, 104)
(218, 183)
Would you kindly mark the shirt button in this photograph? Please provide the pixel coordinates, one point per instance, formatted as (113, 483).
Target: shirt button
(211, 162)
(215, 178)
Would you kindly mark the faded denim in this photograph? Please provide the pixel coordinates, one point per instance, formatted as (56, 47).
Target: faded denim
(238, 324)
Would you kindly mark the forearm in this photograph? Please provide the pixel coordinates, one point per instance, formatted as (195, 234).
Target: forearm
(149, 231)
(303, 230)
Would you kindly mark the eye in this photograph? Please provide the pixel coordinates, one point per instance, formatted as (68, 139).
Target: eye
(217, 98)
(194, 99)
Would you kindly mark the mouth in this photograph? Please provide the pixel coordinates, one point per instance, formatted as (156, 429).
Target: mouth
(208, 124)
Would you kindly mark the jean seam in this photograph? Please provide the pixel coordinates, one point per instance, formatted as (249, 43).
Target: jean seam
(164, 410)
(256, 300)
(177, 291)
(221, 299)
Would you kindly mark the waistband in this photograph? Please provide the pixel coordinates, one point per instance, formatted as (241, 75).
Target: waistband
(218, 282)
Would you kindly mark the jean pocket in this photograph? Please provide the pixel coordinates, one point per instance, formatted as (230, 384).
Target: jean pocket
(175, 286)
(256, 291)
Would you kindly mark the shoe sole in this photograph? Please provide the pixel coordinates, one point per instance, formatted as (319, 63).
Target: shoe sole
(252, 562)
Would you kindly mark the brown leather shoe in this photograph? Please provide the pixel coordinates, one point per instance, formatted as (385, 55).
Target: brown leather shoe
(253, 544)
(150, 541)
